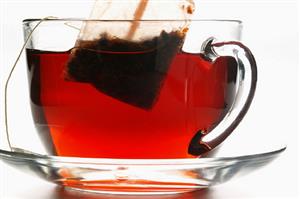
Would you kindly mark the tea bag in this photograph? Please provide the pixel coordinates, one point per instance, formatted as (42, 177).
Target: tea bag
(128, 60)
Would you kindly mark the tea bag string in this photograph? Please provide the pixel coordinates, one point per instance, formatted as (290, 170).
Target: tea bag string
(10, 75)
(136, 17)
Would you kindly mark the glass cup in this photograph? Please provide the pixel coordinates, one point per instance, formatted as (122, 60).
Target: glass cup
(176, 94)
(132, 115)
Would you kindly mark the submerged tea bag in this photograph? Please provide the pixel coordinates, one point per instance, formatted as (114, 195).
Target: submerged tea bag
(127, 58)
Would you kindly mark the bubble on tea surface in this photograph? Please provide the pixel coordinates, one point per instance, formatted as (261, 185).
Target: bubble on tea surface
(128, 60)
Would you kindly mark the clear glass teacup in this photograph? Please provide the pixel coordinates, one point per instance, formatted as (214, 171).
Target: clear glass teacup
(177, 94)
(119, 114)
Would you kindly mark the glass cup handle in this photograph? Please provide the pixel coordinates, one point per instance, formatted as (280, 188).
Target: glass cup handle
(246, 86)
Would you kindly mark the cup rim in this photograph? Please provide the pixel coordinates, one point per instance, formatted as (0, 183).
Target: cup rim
(30, 20)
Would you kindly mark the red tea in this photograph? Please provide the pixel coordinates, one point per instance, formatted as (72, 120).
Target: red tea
(76, 118)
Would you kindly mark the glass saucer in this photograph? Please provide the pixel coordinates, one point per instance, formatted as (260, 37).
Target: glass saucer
(132, 176)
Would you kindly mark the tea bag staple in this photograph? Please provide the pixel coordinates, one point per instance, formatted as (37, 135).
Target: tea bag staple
(126, 58)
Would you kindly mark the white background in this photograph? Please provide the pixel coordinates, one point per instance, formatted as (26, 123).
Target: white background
(271, 31)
